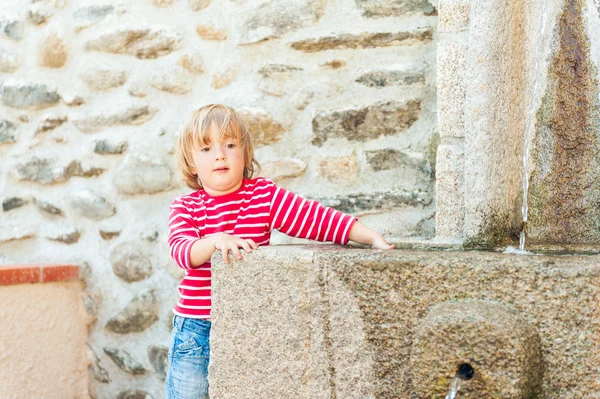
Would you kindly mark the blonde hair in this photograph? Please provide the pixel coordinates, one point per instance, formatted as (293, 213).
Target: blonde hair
(196, 132)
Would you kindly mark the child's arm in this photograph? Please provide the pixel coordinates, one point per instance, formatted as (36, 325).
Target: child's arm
(363, 235)
(203, 249)
(295, 216)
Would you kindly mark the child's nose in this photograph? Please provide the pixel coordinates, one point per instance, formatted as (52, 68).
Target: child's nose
(219, 154)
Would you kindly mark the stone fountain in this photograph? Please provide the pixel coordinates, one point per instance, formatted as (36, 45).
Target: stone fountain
(518, 121)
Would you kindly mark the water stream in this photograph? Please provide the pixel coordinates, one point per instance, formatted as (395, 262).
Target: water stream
(454, 387)
(530, 118)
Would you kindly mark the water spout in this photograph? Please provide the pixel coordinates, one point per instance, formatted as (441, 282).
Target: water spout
(465, 372)
(528, 130)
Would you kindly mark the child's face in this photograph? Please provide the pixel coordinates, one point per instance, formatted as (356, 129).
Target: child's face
(219, 163)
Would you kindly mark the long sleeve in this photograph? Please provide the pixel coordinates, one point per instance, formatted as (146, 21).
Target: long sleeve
(298, 217)
(182, 233)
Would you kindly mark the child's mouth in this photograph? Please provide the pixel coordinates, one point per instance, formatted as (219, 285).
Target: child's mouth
(221, 169)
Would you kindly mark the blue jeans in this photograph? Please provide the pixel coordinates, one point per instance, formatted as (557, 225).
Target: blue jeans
(187, 376)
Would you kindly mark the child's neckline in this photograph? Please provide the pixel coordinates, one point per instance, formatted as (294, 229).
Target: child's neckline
(206, 195)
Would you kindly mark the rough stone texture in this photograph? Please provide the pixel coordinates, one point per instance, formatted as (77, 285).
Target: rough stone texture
(210, 32)
(138, 315)
(564, 194)
(339, 169)
(26, 95)
(96, 370)
(159, 360)
(65, 234)
(386, 8)
(391, 78)
(452, 87)
(73, 100)
(50, 122)
(104, 77)
(173, 80)
(283, 169)
(107, 147)
(108, 230)
(493, 338)
(364, 40)
(9, 62)
(278, 71)
(192, 62)
(11, 26)
(224, 78)
(53, 51)
(47, 207)
(91, 205)
(125, 361)
(347, 321)
(378, 201)
(130, 263)
(11, 232)
(88, 16)
(163, 3)
(263, 128)
(143, 174)
(145, 43)
(133, 115)
(198, 5)
(365, 123)
(454, 15)
(498, 92)
(450, 213)
(7, 132)
(274, 19)
(13, 203)
(134, 395)
(38, 13)
(46, 171)
(389, 158)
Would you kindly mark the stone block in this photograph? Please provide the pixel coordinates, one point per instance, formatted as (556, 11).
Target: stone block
(450, 191)
(319, 321)
(364, 40)
(451, 64)
(454, 15)
(500, 350)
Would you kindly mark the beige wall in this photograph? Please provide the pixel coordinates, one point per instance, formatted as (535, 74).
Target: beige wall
(43, 342)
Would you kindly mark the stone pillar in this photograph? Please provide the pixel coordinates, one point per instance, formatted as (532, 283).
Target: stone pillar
(453, 28)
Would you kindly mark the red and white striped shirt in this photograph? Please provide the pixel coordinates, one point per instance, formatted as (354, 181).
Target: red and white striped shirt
(252, 211)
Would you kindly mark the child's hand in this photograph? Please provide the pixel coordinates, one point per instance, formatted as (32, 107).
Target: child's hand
(226, 242)
(364, 235)
(380, 243)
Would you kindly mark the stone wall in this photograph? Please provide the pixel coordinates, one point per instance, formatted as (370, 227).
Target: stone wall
(332, 322)
(340, 96)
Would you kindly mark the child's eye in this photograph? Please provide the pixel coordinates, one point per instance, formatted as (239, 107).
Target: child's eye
(230, 145)
(205, 149)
